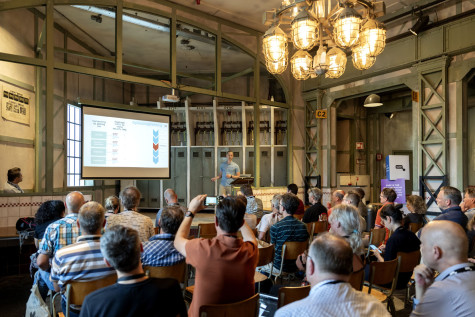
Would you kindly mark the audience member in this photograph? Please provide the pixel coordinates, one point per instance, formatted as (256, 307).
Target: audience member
(159, 251)
(112, 206)
(316, 212)
(353, 199)
(417, 207)
(451, 293)
(270, 219)
(288, 229)
(468, 203)
(171, 199)
(254, 205)
(387, 197)
(250, 219)
(336, 199)
(130, 198)
(225, 265)
(49, 212)
(14, 177)
(294, 189)
(363, 210)
(448, 200)
(329, 266)
(83, 260)
(59, 234)
(401, 240)
(134, 294)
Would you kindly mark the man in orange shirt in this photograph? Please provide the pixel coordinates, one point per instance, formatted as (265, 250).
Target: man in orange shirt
(224, 265)
(387, 196)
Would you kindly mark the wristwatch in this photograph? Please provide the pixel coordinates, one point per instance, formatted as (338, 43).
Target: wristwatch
(189, 214)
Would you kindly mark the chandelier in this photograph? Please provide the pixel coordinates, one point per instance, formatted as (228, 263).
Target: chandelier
(323, 33)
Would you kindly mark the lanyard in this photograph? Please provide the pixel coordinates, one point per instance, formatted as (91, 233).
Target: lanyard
(469, 268)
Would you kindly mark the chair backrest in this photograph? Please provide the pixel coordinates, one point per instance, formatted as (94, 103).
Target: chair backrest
(206, 230)
(357, 279)
(77, 291)
(292, 249)
(299, 217)
(409, 260)
(414, 227)
(310, 228)
(248, 307)
(266, 255)
(377, 236)
(177, 271)
(288, 295)
(320, 226)
(383, 273)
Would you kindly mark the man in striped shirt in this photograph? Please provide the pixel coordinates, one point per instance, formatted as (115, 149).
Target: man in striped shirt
(288, 229)
(83, 260)
(159, 251)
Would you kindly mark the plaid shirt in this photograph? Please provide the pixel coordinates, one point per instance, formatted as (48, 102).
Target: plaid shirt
(159, 251)
(59, 234)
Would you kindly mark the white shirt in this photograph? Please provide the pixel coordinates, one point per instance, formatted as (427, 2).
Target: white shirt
(268, 221)
(327, 299)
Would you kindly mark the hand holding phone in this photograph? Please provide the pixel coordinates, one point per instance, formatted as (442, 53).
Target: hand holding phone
(372, 246)
(211, 201)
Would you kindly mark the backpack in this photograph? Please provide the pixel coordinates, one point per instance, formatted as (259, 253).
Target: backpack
(26, 224)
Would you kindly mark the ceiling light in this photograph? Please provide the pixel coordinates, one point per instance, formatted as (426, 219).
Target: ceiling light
(422, 21)
(336, 63)
(372, 100)
(346, 29)
(320, 61)
(373, 35)
(277, 67)
(274, 44)
(301, 65)
(361, 58)
(304, 31)
(389, 115)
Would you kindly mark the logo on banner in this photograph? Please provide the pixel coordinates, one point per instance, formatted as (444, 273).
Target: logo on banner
(155, 146)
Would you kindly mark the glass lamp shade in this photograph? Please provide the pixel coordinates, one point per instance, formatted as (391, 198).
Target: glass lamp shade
(320, 62)
(301, 65)
(336, 60)
(274, 44)
(277, 67)
(373, 36)
(361, 58)
(304, 31)
(346, 28)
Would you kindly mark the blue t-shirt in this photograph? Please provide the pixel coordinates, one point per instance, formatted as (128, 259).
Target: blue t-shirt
(226, 168)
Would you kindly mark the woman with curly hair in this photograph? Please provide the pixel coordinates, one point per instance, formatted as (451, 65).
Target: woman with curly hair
(418, 208)
(49, 212)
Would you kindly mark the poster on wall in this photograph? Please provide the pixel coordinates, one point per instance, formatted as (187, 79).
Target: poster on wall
(16, 103)
(399, 186)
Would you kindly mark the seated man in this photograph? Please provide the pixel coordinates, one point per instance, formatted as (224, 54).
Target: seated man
(317, 211)
(294, 189)
(449, 199)
(14, 177)
(254, 205)
(353, 199)
(329, 265)
(444, 249)
(171, 199)
(159, 251)
(270, 219)
(224, 265)
(130, 198)
(81, 261)
(134, 294)
(288, 229)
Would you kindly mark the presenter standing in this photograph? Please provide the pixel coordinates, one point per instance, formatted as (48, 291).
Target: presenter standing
(228, 172)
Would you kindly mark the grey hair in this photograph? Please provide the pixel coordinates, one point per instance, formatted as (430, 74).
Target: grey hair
(120, 246)
(453, 194)
(316, 193)
(112, 203)
(91, 217)
(130, 197)
(332, 254)
(276, 201)
(349, 219)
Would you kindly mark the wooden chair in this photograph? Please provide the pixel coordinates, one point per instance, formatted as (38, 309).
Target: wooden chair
(414, 227)
(77, 291)
(248, 307)
(266, 256)
(299, 217)
(357, 279)
(206, 230)
(290, 251)
(383, 273)
(409, 260)
(178, 272)
(289, 295)
(316, 227)
(376, 237)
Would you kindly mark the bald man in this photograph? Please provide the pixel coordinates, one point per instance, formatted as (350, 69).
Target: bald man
(172, 200)
(452, 293)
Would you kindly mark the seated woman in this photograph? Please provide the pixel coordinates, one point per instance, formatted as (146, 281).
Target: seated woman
(49, 212)
(271, 219)
(401, 240)
(418, 208)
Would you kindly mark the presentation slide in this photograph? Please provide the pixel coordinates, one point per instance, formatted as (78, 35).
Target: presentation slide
(125, 144)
